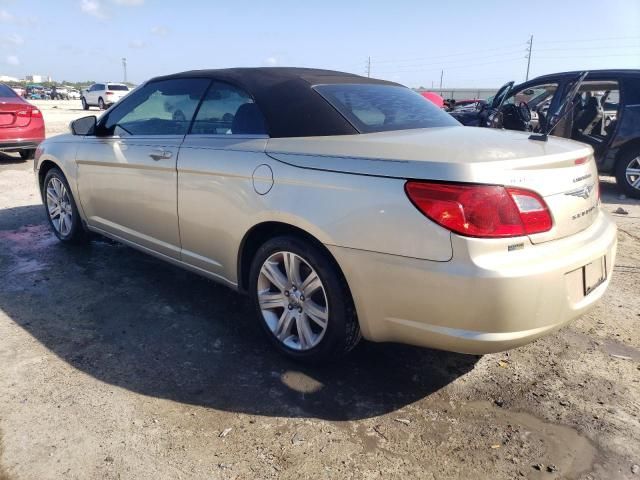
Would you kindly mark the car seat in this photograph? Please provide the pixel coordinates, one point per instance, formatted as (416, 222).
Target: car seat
(248, 120)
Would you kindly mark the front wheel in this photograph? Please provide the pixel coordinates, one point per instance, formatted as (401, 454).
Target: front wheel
(302, 301)
(61, 208)
(628, 173)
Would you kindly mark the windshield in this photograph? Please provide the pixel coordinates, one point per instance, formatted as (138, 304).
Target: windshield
(379, 108)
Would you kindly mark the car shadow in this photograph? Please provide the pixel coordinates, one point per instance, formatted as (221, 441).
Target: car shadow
(132, 321)
(10, 158)
(610, 193)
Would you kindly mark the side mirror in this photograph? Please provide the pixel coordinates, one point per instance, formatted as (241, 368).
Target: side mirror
(84, 126)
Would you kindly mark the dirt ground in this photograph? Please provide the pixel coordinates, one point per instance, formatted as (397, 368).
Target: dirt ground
(114, 365)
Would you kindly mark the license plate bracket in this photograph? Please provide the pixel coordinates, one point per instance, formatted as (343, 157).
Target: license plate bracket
(594, 274)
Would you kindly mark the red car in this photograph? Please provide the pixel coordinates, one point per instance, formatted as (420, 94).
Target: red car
(21, 124)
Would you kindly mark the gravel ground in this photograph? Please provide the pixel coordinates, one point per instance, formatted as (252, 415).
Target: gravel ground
(115, 365)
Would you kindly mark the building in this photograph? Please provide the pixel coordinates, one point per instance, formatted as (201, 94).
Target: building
(462, 93)
(7, 78)
(37, 78)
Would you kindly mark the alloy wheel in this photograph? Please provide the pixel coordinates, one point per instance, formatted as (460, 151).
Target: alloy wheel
(633, 173)
(59, 206)
(293, 301)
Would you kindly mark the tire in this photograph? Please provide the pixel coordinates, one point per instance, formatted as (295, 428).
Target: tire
(101, 104)
(85, 105)
(626, 180)
(284, 307)
(27, 154)
(73, 233)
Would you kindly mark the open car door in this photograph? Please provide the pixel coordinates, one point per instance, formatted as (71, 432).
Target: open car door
(492, 117)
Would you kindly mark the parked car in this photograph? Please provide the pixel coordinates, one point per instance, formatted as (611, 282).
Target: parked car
(37, 92)
(19, 89)
(74, 94)
(604, 113)
(59, 93)
(103, 95)
(343, 205)
(21, 124)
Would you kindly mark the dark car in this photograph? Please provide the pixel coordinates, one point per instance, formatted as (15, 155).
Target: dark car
(599, 107)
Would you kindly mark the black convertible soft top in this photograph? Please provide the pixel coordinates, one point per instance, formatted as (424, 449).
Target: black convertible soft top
(290, 106)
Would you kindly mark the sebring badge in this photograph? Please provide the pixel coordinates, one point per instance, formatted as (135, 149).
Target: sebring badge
(583, 192)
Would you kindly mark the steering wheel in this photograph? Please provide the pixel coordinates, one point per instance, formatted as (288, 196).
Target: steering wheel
(524, 112)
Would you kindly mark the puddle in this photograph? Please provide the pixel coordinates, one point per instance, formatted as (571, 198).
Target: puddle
(563, 446)
(613, 347)
(28, 239)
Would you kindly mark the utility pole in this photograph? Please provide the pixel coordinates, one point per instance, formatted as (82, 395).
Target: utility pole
(124, 69)
(528, 55)
(369, 66)
(441, 75)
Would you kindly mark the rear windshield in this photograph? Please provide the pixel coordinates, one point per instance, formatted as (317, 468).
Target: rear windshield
(117, 87)
(379, 108)
(6, 91)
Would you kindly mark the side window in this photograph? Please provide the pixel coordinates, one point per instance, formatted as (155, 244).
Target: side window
(99, 87)
(228, 110)
(165, 107)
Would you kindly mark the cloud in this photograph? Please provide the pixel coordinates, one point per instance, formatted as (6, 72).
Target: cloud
(93, 8)
(271, 61)
(5, 16)
(137, 44)
(160, 30)
(12, 39)
(12, 60)
(129, 3)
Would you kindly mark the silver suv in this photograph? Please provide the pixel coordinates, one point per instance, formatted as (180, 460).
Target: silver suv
(103, 95)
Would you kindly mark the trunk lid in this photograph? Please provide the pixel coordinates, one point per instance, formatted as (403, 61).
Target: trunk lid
(562, 171)
(9, 108)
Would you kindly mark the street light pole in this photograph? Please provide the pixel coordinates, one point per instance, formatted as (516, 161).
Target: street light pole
(124, 68)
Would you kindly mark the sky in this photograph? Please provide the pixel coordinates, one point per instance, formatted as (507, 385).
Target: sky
(476, 43)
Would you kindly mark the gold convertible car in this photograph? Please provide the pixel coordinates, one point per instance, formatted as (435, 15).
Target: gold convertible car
(343, 206)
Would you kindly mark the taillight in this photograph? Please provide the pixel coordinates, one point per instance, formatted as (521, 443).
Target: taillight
(23, 117)
(35, 113)
(108, 93)
(487, 211)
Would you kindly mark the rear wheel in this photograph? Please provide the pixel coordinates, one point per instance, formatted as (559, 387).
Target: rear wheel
(85, 105)
(628, 173)
(27, 154)
(61, 208)
(302, 301)
(101, 104)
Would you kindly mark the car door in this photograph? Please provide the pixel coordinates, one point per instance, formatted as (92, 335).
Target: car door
(127, 172)
(92, 97)
(221, 176)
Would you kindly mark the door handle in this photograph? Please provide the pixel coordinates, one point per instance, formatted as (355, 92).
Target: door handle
(160, 154)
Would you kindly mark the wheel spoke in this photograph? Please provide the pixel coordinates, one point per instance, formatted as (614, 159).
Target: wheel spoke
(283, 328)
(310, 284)
(51, 195)
(269, 300)
(292, 267)
(633, 171)
(305, 335)
(636, 184)
(316, 313)
(271, 271)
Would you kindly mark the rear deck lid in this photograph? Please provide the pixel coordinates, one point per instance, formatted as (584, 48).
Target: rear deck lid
(562, 171)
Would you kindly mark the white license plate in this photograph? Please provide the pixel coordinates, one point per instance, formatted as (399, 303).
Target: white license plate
(594, 274)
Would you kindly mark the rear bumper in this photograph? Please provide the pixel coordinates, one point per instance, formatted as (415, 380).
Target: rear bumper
(483, 300)
(16, 146)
